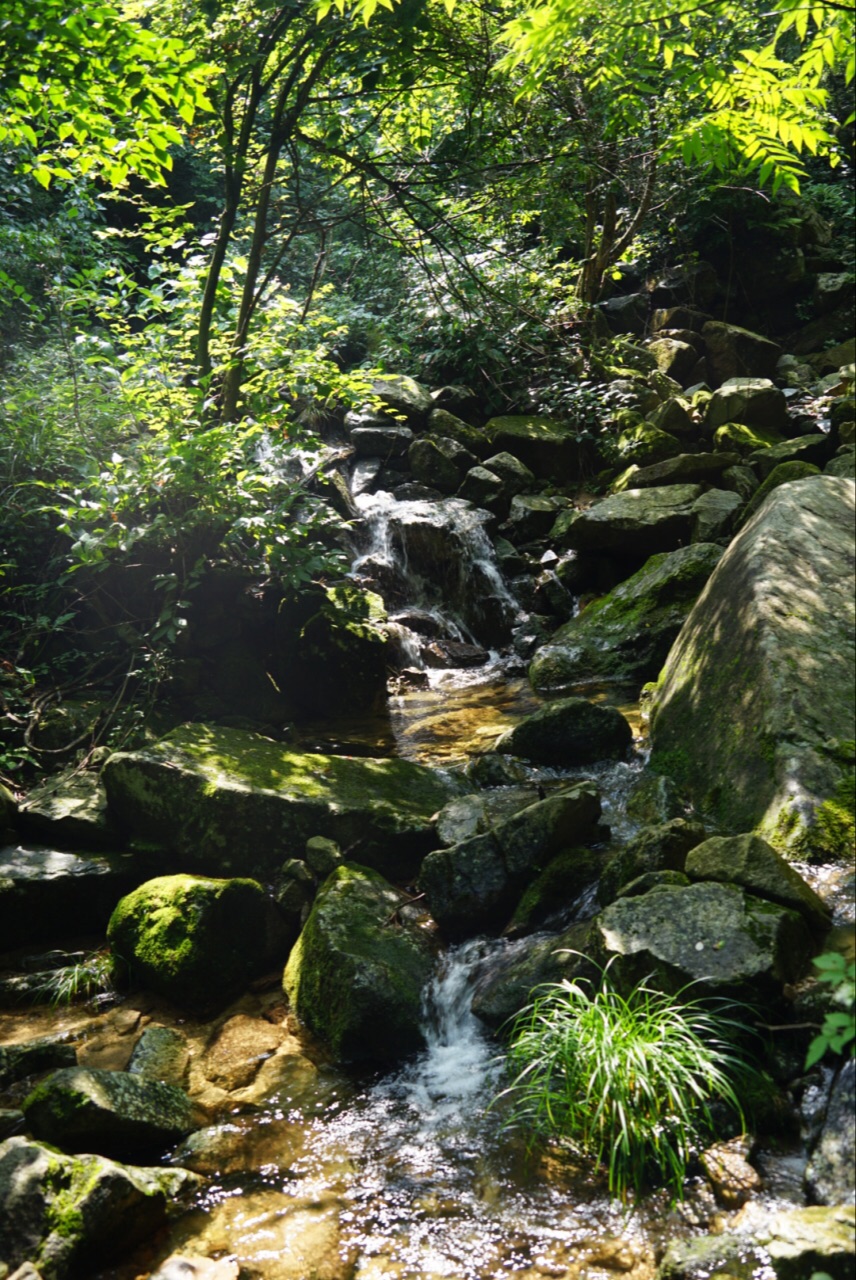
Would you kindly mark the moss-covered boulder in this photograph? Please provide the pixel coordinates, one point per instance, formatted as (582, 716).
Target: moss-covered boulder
(568, 732)
(734, 437)
(753, 712)
(713, 934)
(224, 801)
(754, 864)
(755, 402)
(70, 1215)
(625, 637)
(194, 940)
(70, 809)
(816, 449)
(684, 468)
(547, 447)
(356, 973)
(635, 523)
(784, 473)
(734, 352)
(111, 1113)
(504, 986)
(555, 889)
(645, 443)
(661, 847)
(473, 887)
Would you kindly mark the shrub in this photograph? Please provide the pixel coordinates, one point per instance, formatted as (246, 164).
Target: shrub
(629, 1082)
(839, 1026)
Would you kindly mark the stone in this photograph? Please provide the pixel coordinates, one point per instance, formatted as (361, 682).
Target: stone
(46, 893)
(753, 402)
(474, 885)
(627, 313)
(783, 1244)
(816, 449)
(843, 466)
(195, 940)
(531, 516)
(674, 358)
(714, 935)
(161, 1053)
(684, 468)
(715, 515)
(568, 732)
(832, 289)
(783, 473)
(733, 352)
(439, 462)
(637, 522)
(625, 637)
(735, 438)
(355, 974)
(726, 1167)
(662, 847)
(17, 1061)
(765, 661)
(653, 880)
(544, 446)
(830, 1175)
(680, 317)
(555, 889)
(224, 800)
(403, 396)
(644, 444)
(188, 1267)
(110, 1113)
(516, 478)
(674, 416)
(238, 1049)
(740, 480)
(381, 441)
(484, 489)
(474, 815)
(69, 809)
(443, 423)
(754, 864)
(67, 1216)
(504, 987)
(322, 856)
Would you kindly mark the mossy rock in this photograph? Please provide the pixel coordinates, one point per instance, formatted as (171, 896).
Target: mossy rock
(644, 443)
(663, 847)
(356, 973)
(547, 447)
(555, 889)
(194, 940)
(781, 474)
(754, 864)
(734, 437)
(568, 732)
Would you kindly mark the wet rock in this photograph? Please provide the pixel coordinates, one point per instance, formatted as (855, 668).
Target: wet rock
(663, 847)
(556, 889)
(439, 462)
(626, 636)
(161, 1053)
(225, 800)
(652, 880)
(713, 934)
(69, 1215)
(733, 352)
(831, 1171)
(238, 1050)
(109, 1112)
(474, 885)
(765, 661)
(569, 732)
(788, 1244)
(655, 799)
(194, 940)
(749, 861)
(504, 988)
(17, 1061)
(45, 893)
(355, 974)
(187, 1267)
(637, 522)
(454, 653)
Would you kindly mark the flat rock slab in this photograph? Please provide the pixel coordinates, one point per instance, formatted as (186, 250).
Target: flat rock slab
(543, 445)
(753, 712)
(229, 802)
(70, 809)
(46, 894)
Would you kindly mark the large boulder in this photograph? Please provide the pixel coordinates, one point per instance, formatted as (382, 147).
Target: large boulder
(69, 1215)
(69, 809)
(716, 935)
(830, 1175)
(194, 940)
(46, 893)
(474, 886)
(224, 801)
(754, 864)
(356, 973)
(111, 1113)
(543, 445)
(439, 462)
(779, 1243)
(733, 352)
(684, 468)
(654, 849)
(753, 712)
(755, 402)
(626, 636)
(403, 397)
(568, 732)
(635, 523)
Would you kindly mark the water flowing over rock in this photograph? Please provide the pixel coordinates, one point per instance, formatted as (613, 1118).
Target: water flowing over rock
(753, 711)
(229, 802)
(355, 975)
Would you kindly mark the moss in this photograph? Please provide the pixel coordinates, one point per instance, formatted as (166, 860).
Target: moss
(831, 836)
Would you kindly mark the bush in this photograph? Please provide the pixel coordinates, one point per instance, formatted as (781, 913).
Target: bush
(628, 1082)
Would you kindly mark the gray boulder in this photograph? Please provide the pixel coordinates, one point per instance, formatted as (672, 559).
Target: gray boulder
(715, 515)
(816, 449)
(439, 462)
(684, 468)
(674, 358)
(381, 441)
(161, 1053)
(226, 801)
(637, 522)
(476, 814)
(516, 478)
(109, 1112)
(356, 973)
(765, 663)
(474, 886)
(543, 445)
(532, 516)
(733, 352)
(569, 732)
(830, 1175)
(68, 1216)
(403, 396)
(751, 862)
(713, 934)
(626, 636)
(662, 847)
(17, 1061)
(783, 1244)
(504, 987)
(754, 402)
(69, 809)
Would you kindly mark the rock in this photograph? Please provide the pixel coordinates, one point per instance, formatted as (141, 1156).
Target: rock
(637, 522)
(740, 480)
(685, 468)
(17, 1061)
(443, 423)
(734, 437)
(830, 1175)
(531, 516)
(663, 847)
(674, 358)
(109, 1112)
(224, 800)
(815, 449)
(504, 988)
(356, 973)
(516, 478)
(12, 1121)
(545, 446)
(715, 515)
(196, 941)
(765, 661)
(70, 1215)
(69, 809)
(626, 636)
(751, 862)
(733, 352)
(45, 893)
(832, 289)
(238, 1049)
(484, 489)
(726, 1167)
(476, 814)
(381, 441)
(653, 880)
(474, 885)
(784, 473)
(644, 444)
(843, 466)
(785, 1244)
(322, 856)
(686, 283)
(626, 314)
(674, 417)
(439, 462)
(569, 732)
(753, 402)
(556, 889)
(161, 1053)
(716, 935)
(185, 1267)
(655, 799)
(679, 318)
(404, 397)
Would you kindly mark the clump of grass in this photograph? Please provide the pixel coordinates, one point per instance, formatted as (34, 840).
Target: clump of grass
(89, 977)
(628, 1082)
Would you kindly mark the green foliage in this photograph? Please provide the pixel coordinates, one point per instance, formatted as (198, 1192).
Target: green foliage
(839, 1025)
(92, 976)
(628, 1082)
